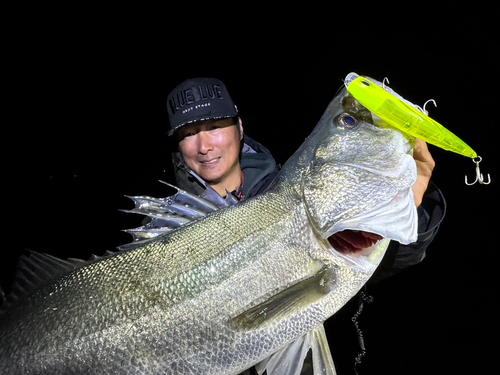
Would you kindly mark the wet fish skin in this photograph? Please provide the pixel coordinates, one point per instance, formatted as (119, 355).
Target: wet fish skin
(180, 303)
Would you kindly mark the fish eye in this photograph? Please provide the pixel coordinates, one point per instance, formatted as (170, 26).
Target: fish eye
(345, 121)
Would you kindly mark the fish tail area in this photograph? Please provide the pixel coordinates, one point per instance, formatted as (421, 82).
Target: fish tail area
(290, 359)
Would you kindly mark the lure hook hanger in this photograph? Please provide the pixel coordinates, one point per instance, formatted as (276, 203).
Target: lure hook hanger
(479, 175)
(429, 101)
(384, 81)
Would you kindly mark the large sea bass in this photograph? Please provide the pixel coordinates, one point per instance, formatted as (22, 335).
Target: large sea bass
(247, 284)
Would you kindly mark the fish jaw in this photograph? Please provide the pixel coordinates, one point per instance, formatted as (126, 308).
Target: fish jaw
(356, 179)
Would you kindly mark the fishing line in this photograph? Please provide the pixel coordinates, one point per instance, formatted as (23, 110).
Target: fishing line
(363, 297)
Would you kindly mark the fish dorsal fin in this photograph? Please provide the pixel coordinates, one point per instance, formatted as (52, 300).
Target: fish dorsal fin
(210, 194)
(230, 199)
(290, 359)
(169, 213)
(35, 270)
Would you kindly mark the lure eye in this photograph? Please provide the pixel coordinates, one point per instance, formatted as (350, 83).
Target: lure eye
(345, 121)
(366, 83)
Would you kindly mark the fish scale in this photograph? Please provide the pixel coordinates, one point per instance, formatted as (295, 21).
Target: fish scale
(234, 288)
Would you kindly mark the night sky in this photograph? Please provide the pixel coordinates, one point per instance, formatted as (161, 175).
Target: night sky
(90, 123)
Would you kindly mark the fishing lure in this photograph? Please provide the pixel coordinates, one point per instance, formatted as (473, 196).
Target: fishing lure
(408, 118)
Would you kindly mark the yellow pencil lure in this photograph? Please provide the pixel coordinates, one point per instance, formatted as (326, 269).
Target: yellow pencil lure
(403, 115)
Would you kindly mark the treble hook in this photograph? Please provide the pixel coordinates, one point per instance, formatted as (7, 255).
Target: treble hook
(479, 175)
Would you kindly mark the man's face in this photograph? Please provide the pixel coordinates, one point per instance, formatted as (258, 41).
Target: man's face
(211, 149)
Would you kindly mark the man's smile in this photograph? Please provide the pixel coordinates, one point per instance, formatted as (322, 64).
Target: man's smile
(210, 161)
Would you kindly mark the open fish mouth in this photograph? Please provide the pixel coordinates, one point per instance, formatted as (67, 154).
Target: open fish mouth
(353, 241)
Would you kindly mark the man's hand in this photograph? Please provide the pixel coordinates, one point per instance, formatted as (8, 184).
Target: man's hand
(425, 166)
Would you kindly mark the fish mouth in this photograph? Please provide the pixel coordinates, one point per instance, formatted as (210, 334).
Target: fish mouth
(353, 241)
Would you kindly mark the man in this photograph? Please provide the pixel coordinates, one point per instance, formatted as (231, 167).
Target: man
(212, 144)
(210, 137)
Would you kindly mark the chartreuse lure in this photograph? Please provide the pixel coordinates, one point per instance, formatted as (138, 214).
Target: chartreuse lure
(406, 117)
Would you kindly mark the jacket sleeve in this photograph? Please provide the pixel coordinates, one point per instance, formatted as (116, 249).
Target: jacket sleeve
(398, 257)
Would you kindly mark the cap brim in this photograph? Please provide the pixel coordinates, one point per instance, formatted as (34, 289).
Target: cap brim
(172, 131)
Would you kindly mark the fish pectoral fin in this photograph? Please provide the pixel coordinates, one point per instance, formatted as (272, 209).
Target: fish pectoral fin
(284, 304)
(290, 359)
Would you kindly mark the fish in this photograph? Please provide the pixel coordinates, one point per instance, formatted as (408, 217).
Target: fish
(216, 288)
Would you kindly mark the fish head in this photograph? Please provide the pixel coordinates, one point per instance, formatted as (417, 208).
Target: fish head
(356, 182)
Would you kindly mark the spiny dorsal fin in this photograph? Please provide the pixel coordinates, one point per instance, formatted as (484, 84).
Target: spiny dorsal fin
(152, 206)
(145, 233)
(209, 194)
(230, 199)
(158, 225)
(212, 196)
(185, 198)
(166, 214)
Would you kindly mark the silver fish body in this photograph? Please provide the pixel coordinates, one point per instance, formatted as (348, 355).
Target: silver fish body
(225, 292)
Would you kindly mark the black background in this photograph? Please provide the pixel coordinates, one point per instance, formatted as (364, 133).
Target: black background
(87, 125)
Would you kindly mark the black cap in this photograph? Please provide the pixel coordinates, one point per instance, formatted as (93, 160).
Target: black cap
(199, 99)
